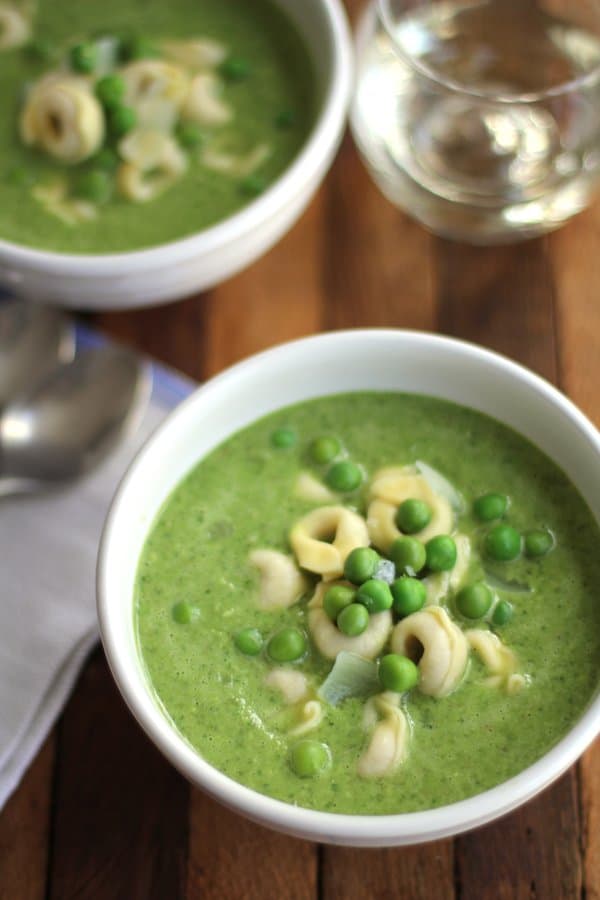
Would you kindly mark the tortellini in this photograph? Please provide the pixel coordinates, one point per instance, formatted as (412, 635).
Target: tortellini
(330, 641)
(62, 116)
(321, 541)
(310, 539)
(307, 487)
(236, 165)
(498, 659)
(15, 27)
(156, 90)
(438, 646)
(153, 161)
(311, 715)
(291, 683)
(198, 54)
(439, 584)
(388, 745)
(55, 199)
(204, 103)
(281, 582)
(392, 486)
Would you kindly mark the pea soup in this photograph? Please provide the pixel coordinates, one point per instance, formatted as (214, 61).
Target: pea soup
(372, 603)
(128, 124)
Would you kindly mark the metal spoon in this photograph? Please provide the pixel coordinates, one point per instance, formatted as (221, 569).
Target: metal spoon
(67, 424)
(33, 340)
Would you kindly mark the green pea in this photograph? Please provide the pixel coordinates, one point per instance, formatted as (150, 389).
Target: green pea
(538, 543)
(361, 564)
(253, 185)
(503, 613)
(248, 641)
(189, 135)
(409, 595)
(353, 619)
(310, 758)
(83, 57)
(183, 612)
(235, 69)
(285, 119)
(474, 600)
(413, 516)
(441, 553)
(132, 47)
(107, 159)
(287, 645)
(325, 449)
(375, 595)
(490, 506)
(95, 186)
(408, 554)
(502, 542)
(110, 91)
(122, 119)
(336, 599)
(344, 476)
(397, 673)
(282, 438)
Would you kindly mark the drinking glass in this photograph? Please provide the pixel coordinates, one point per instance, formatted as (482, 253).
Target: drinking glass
(481, 118)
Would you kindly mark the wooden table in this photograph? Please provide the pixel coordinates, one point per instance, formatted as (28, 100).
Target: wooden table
(100, 814)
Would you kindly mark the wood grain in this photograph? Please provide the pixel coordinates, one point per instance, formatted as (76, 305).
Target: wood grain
(277, 299)
(25, 832)
(576, 268)
(504, 297)
(501, 297)
(533, 854)
(120, 811)
(377, 264)
(405, 873)
(378, 272)
(173, 334)
(589, 769)
(118, 821)
(233, 859)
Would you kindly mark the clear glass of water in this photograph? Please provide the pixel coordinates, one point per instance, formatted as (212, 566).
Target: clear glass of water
(481, 118)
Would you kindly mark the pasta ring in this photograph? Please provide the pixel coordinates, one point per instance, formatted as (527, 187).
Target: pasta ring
(314, 552)
(444, 649)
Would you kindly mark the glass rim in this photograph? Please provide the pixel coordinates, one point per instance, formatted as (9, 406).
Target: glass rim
(450, 84)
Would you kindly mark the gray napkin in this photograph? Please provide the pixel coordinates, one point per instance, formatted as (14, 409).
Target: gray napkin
(48, 549)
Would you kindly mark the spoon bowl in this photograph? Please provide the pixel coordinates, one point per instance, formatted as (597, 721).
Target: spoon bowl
(66, 424)
(33, 341)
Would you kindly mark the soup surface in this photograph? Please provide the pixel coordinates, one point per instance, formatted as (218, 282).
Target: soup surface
(381, 749)
(243, 101)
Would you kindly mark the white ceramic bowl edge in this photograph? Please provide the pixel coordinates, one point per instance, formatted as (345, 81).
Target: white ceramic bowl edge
(173, 270)
(380, 360)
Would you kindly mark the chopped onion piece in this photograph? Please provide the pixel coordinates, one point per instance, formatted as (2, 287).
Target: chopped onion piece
(510, 587)
(438, 483)
(385, 571)
(351, 676)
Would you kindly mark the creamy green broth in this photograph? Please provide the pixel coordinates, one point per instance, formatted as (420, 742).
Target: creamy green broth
(241, 497)
(279, 82)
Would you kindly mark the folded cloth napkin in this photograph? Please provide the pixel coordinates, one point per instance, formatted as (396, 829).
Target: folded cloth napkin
(48, 548)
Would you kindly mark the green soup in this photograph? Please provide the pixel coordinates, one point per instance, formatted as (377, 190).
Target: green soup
(265, 83)
(244, 496)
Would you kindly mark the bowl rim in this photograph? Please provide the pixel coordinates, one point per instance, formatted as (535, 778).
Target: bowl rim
(323, 134)
(353, 829)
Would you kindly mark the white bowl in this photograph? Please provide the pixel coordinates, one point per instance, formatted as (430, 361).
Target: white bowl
(332, 363)
(173, 270)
